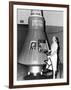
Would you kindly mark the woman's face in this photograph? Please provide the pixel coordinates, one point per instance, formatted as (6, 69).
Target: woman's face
(54, 39)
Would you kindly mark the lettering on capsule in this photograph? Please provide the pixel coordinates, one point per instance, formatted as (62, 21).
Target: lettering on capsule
(37, 23)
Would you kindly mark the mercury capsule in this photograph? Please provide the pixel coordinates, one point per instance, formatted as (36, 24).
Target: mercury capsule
(35, 42)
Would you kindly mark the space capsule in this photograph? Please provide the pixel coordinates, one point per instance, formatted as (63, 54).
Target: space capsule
(35, 42)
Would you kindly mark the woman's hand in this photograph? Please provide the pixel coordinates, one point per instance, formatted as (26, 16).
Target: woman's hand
(49, 51)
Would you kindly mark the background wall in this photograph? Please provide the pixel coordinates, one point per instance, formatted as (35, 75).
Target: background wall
(4, 45)
(52, 17)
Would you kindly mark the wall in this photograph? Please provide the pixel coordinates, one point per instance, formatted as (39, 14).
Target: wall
(4, 45)
(52, 17)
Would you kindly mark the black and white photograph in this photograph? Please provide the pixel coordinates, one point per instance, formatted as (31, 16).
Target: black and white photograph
(39, 44)
(34, 26)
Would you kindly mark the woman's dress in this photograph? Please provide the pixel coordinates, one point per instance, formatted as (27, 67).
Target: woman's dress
(53, 56)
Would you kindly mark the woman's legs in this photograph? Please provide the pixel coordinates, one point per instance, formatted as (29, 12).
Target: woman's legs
(54, 73)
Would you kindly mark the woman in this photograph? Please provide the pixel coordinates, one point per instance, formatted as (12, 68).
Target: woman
(53, 55)
(51, 63)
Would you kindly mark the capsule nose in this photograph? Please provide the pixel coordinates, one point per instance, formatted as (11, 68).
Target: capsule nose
(36, 12)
